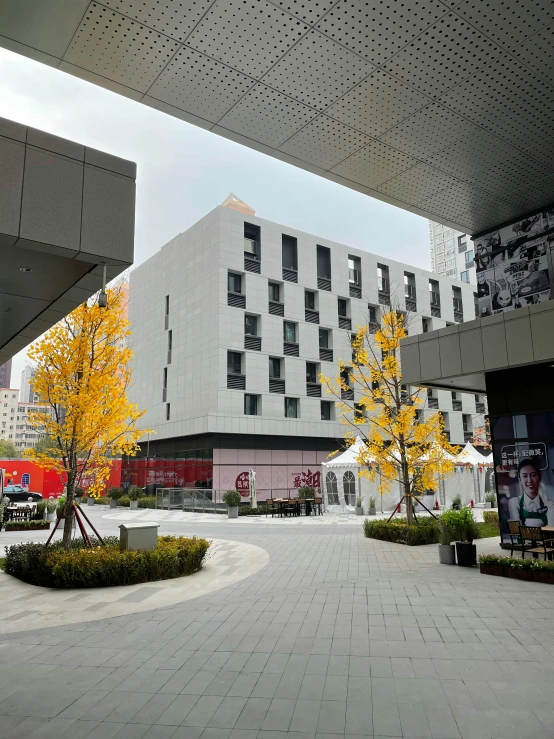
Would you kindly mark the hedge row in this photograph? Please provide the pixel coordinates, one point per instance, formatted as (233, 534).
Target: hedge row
(80, 567)
(490, 517)
(33, 525)
(146, 502)
(515, 563)
(426, 531)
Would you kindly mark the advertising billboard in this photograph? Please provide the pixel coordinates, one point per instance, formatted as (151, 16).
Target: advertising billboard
(513, 264)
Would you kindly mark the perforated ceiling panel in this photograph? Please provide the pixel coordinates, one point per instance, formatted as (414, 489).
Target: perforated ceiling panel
(444, 106)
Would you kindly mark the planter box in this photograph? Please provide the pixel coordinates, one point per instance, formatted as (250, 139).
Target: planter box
(488, 504)
(90, 501)
(113, 503)
(447, 554)
(232, 512)
(41, 527)
(517, 574)
(359, 511)
(133, 505)
(372, 511)
(466, 554)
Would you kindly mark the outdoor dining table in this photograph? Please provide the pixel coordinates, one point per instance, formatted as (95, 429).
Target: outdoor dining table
(308, 504)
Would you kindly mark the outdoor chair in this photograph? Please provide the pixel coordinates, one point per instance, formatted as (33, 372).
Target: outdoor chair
(317, 505)
(515, 538)
(540, 542)
(291, 507)
(271, 507)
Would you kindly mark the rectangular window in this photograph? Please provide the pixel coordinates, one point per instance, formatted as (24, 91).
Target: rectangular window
(291, 407)
(252, 241)
(250, 405)
(234, 283)
(409, 286)
(275, 368)
(383, 282)
(289, 332)
(165, 378)
(167, 411)
(167, 305)
(323, 338)
(290, 258)
(425, 325)
(462, 243)
(326, 410)
(169, 340)
(464, 276)
(355, 271)
(359, 412)
(311, 372)
(469, 258)
(342, 307)
(234, 363)
(324, 262)
(250, 325)
(373, 314)
(434, 293)
(309, 300)
(274, 292)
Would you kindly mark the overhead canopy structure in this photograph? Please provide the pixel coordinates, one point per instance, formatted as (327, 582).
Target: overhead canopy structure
(442, 107)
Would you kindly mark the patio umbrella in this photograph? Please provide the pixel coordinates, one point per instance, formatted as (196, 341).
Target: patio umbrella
(252, 486)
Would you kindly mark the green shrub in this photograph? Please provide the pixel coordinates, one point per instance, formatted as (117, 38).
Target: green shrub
(102, 500)
(147, 502)
(114, 493)
(491, 517)
(79, 492)
(306, 492)
(124, 501)
(372, 502)
(516, 564)
(51, 505)
(31, 525)
(426, 531)
(232, 498)
(81, 567)
(60, 503)
(491, 498)
(359, 501)
(456, 502)
(247, 511)
(135, 493)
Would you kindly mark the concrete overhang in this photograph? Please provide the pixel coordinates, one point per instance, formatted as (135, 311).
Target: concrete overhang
(458, 357)
(65, 210)
(441, 107)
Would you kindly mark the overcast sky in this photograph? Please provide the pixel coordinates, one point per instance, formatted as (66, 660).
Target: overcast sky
(184, 171)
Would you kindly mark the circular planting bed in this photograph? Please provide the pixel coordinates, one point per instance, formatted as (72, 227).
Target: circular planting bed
(104, 566)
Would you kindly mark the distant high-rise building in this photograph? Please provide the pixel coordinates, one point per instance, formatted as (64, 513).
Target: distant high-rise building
(26, 394)
(452, 253)
(6, 374)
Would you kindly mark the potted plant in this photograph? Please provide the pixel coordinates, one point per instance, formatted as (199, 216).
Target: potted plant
(490, 500)
(79, 492)
(134, 495)
(232, 499)
(51, 508)
(447, 550)
(114, 494)
(456, 502)
(372, 504)
(40, 515)
(90, 499)
(466, 531)
(359, 506)
(306, 492)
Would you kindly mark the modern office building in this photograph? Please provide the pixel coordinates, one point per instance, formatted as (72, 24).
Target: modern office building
(26, 392)
(233, 321)
(451, 253)
(14, 419)
(6, 374)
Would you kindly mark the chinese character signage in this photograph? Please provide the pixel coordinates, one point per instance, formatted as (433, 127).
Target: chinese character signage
(513, 264)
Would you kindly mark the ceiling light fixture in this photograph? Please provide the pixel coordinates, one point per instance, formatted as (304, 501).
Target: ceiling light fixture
(25, 269)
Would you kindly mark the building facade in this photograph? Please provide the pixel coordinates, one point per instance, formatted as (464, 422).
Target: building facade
(233, 321)
(14, 419)
(6, 374)
(26, 392)
(452, 253)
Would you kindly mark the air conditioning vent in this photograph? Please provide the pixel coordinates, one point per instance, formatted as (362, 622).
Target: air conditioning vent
(355, 292)
(313, 389)
(324, 283)
(276, 386)
(456, 405)
(253, 342)
(236, 300)
(276, 309)
(433, 403)
(236, 382)
(290, 275)
(384, 298)
(345, 323)
(411, 305)
(435, 312)
(347, 394)
(312, 316)
(479, 407)
(290, 349)
(251, 265)
(326, 355)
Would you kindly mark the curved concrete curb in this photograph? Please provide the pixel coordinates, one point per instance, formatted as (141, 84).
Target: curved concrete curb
(29, 607)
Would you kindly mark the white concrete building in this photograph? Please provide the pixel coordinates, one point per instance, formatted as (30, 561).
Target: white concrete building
(234, 319)
(14, 418)
(452, 253)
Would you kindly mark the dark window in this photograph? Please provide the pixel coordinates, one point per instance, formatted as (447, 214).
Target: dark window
(383, 283)
(434, 293)
(324, 338)
(252, 241)
(170, 340)
(355, 271)
(373, 314)
(291, 407)
(275, 292)
(359, 412)
(342, 307)
(311, 372)
(425, 324)
(251, 325)
(165, 378)
(464, 276)
(275, 367)
(234, 363)
(324, 262)
(309, 300)
(234, 284)
(409, 285)
(289, 331)
(250, 405)
(167, 305)
(168, 411)
(345, 375)
(469, 258)
(326, 410)
(290, 259)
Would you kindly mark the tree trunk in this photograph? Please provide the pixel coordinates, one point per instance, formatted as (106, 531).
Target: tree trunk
(407, 491)
(69, 514)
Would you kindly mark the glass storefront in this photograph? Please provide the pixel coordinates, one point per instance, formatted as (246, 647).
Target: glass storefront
(188, 469)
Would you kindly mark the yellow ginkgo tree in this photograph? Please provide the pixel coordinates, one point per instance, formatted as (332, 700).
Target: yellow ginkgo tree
(402, 445)
(82, 373)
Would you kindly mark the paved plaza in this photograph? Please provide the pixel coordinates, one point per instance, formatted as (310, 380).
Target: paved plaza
(328, 636)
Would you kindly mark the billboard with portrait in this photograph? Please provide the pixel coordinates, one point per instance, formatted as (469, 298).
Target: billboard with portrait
(524, 465)
(513, 264)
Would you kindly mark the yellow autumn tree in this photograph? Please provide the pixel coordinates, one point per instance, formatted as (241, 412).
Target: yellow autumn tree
(82, 373)
(401, 444)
